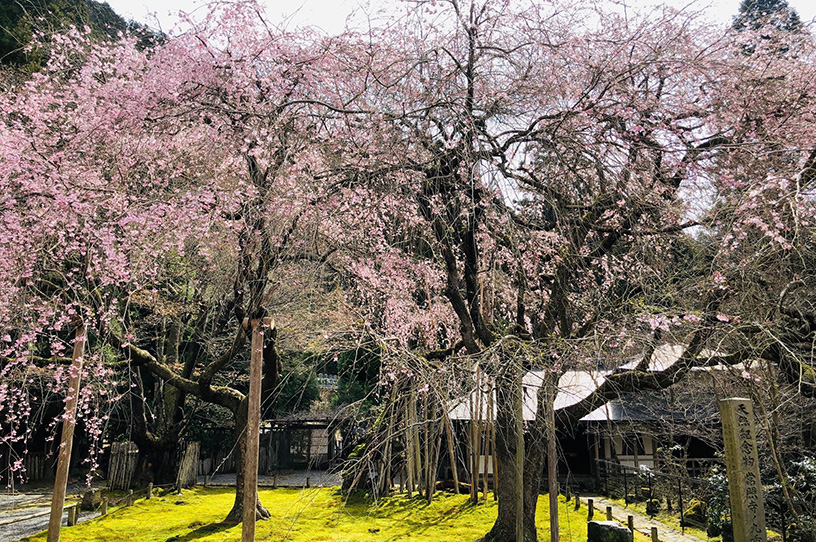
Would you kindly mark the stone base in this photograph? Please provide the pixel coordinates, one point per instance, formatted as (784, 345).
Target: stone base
(608, 531)
(92, 499)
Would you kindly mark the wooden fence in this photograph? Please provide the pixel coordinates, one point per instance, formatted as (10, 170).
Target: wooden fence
(188, 466)
(35, 465)
(123, 456)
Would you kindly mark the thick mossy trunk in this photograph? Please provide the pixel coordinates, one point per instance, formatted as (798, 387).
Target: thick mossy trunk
(507, 465)
(236, 515)
(507, 490)
(158, 461)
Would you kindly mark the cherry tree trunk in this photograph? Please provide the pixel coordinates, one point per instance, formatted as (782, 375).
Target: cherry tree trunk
(158, 459)
(507, 483)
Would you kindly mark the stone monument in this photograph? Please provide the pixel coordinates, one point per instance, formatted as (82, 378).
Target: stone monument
(742, 467)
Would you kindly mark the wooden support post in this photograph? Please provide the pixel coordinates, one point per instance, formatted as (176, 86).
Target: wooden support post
(149, 491)
(409, 442)
(253, 429)
(71, 516)
(104, 509)
(608, 513)
(491, 395)
(630, 522)
(625, 488)
(590, 509)
(430, 475)
(552, 459)
(308, 482)
(434, 465)
(68, 424)
(577, 502)
(388, 463)
(682, 514)
(129, 501)
(206, 480)
(417, 449)
(451, 449)
(481, 441)
(275, 481)
(485, 455)
(519, 463)
(654, 535)
(475, 439)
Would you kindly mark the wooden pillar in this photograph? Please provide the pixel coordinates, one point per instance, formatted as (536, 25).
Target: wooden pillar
(104, 509)
(409, 444)
(73, 515)
(451, 449)
(590, 509)
(417, 448)
(149, 491)
(491, 410)
(473, 474)
(519, 463)
(486, 405)
(253, 428)
(551, 388)
(608, 513)
(68, 424)
(654, 535)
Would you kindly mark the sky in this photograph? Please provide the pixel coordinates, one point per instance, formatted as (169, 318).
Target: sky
(330, 15)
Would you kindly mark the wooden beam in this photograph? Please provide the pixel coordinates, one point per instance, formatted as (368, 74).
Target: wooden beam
(68, 424)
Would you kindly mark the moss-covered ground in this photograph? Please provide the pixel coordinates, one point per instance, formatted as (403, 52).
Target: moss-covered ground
(311, 515)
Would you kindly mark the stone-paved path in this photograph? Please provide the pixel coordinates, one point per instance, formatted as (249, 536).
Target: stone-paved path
(643, 523)
(25, 513)
(317, 478)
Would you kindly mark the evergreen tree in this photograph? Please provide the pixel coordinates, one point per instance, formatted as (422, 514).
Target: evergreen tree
(755, 14)
(22, 20)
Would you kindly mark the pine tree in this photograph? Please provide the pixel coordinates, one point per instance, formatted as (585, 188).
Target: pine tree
(755, 14)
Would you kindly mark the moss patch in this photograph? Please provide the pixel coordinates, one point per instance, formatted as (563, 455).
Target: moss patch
(311, 515)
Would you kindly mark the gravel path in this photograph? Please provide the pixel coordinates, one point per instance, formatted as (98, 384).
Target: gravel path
(642, 523)
(35, 507)
(316, 478)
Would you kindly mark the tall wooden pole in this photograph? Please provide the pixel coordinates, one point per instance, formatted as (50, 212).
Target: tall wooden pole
(552, 459)
(519, 463)
(68, 424)
(253, 430)
(490, 409)
(451, 448)
(409, 444)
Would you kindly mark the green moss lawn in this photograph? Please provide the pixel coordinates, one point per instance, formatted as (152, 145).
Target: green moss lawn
(311, 515)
